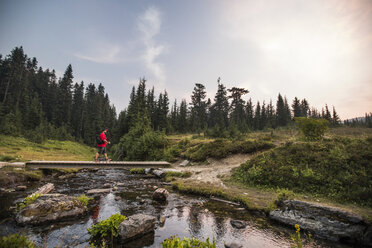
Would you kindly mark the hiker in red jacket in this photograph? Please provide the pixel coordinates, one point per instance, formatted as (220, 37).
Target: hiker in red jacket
(102, 145)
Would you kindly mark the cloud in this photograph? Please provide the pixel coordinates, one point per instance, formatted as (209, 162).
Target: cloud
(149, 25)
(107, 54)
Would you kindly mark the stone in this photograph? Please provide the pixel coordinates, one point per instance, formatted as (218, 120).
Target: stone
(185, 163)
(120, 184)
(238, 224)
(21, 188)
(148, 170)
(160, 194)
(51, 208)
(323, 221)
(135, 227)
(98, 191)
(66, 176)
(162, 220)
(117, 198)
(158, 173)
(115, 188)
(107, 185)
(233, 245)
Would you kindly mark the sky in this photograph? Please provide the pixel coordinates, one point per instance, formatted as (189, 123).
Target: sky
(320, 50)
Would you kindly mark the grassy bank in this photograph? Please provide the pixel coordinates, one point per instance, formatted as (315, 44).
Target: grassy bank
(339, 169)
(20, 149)
(200, 149)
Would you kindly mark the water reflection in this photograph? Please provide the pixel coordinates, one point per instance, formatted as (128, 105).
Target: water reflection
(184, 216)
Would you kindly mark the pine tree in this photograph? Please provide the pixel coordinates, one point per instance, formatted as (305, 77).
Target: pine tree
(281, 112)
(257, 116)
(335, 118)
(198, 108)
(249, 114)
(182, 119)
(77, 114)
(296, 108)
(237, 114)
(65, 97)
(304, 108)
(219, 113)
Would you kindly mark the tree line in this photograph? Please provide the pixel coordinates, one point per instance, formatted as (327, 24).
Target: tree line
(37, 105)
(229, 113)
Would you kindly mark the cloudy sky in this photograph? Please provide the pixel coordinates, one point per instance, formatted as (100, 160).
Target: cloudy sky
(320, 50)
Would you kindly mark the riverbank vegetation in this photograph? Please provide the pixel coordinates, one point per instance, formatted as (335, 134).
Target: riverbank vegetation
(336, 168)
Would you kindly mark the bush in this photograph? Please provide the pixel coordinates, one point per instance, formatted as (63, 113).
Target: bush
(175, 242)
(340, 169)
(106, 229)
(16, 241)
(141, 143)
(312, 129)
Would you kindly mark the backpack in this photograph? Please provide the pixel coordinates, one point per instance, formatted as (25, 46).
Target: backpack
(99, 141)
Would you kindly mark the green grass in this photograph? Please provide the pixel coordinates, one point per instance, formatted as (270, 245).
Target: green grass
(200, 150)
(20, 149)
(171, 175)
(137, 171)
(338, 169)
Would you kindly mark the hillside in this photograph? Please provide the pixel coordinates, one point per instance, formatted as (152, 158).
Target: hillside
(20, 149)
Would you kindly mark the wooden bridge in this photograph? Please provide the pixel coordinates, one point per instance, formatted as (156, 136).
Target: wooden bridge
(99, 165)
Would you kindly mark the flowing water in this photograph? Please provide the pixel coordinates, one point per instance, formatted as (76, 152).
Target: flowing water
(181, 215)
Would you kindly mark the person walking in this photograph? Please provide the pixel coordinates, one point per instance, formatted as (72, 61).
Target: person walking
(101, 148)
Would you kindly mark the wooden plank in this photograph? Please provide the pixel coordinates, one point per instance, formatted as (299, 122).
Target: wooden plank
(93, 164)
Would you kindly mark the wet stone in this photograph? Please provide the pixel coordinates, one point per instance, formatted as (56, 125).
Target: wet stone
(238, 224)
(233, 245)
(98, 191)
(21, 188)
(160, 194)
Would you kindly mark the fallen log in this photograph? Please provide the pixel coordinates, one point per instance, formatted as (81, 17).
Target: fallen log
(44, 189)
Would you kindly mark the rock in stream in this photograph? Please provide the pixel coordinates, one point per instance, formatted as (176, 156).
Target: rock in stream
(50, 208)
(325, 222)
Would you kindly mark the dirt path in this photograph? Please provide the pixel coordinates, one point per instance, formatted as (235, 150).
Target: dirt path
(209, 172)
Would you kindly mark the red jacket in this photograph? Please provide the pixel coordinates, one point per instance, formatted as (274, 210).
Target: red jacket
(102, 136)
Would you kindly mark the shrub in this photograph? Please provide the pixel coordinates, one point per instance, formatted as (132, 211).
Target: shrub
(84, 199)
(175, 242)
(282, 195)
(141, 143)
(339, 169)
(312, 129)
(16, 240)
(106, 229)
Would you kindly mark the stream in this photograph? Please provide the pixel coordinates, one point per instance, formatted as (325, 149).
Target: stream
(182, 215)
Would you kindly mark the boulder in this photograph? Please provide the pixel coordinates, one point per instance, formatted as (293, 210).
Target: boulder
(50, 208)
(158, 173)
(323, 221)
(185, 163)
(136, 226)
(160, 194)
